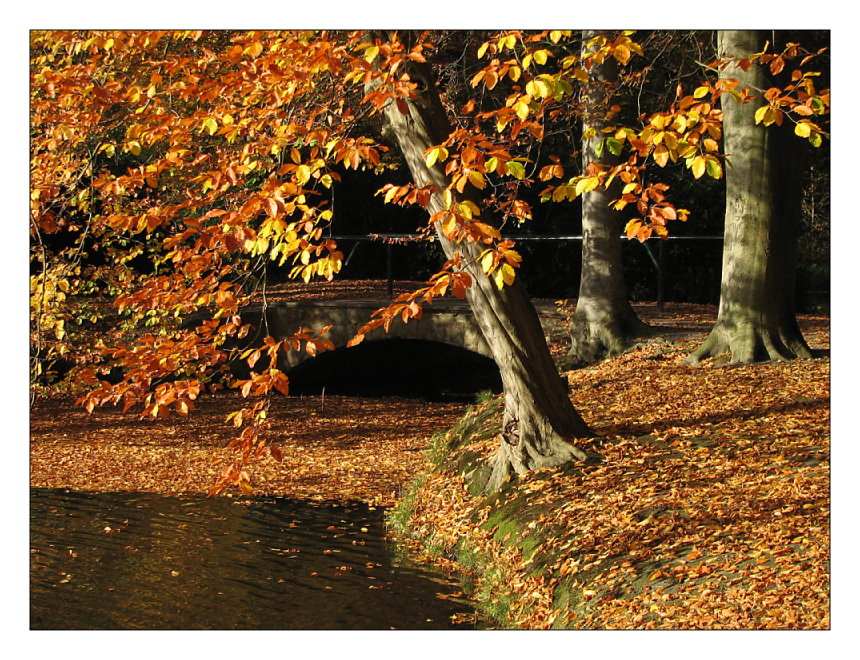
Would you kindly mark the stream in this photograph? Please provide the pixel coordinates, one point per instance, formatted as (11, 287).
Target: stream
(142, 561)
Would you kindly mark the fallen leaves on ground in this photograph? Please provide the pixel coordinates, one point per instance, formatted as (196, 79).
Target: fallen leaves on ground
(345, 448)
(710, 509)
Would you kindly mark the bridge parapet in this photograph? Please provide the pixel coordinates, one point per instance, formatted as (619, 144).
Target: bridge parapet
(448, 321)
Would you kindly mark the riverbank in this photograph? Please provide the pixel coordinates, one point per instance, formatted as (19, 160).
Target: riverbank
(709, 511)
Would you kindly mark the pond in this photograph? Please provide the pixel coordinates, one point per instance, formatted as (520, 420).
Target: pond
(141, 561)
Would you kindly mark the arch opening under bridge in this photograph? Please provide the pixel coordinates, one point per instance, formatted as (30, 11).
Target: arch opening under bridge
(398, 367)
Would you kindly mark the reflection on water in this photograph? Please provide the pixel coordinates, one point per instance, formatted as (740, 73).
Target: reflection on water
(140, 561)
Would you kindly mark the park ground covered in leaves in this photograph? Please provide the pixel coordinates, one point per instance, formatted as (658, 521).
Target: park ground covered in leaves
(709, 510)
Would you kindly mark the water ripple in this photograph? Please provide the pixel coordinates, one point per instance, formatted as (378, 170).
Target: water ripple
(141, 561)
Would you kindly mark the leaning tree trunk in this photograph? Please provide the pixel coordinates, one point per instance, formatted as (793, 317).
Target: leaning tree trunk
(540, 422)
(756, 318)
(603, 320)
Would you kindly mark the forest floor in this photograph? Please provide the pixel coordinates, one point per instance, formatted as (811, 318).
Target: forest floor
(710, 509)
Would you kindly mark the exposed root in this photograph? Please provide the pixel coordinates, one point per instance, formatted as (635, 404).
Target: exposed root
(593, 339)
(748, 343)
(515, 459)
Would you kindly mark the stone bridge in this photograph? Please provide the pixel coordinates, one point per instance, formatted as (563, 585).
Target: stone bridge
(446, 321)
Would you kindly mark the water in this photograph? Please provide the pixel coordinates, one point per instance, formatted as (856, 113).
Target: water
(140, 561)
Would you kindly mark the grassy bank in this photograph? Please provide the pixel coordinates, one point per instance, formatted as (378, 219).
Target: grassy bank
(710, 509)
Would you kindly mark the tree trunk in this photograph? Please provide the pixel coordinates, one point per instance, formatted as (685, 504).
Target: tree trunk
(604, 320)
(540, 422)
(756, 318)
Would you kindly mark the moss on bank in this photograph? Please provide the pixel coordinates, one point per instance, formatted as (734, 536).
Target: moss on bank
(715, 524)
(508, 520)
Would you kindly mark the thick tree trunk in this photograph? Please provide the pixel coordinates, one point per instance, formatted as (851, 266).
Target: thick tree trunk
(540, 422)
(603, 321)
(756, 318)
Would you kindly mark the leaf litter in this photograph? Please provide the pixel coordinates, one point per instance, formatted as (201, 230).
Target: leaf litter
(710, 508)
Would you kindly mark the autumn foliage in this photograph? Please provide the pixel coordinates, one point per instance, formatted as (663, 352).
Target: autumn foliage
(169, 168)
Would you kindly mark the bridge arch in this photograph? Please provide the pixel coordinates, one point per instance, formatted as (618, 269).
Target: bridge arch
(395, 366)
(450, 323)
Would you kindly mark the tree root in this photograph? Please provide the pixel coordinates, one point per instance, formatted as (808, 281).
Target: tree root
(516, 459)
(592, 339)
(750, 342)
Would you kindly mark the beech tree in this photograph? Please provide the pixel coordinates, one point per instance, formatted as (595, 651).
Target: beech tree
(230, 141)
(756, 318)
(603, 320)
(539, 421)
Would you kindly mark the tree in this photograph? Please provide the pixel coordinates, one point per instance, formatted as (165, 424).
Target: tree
(603, 319)
(756, 318)
(208, 155)
(539, 420)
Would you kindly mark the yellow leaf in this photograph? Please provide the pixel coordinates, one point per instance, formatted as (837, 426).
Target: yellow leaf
(512, 256)
(701, 92)
(303, 174)
(487, 261)
(449, 225)
(504, 275)
(538, 88)
(489, 230)
(622, 54)
(581, 75)
(759, 114)
(447, 198)
(803, 129)
(210, 125)
(714, 167)
(698, 166)
(586, 184)
(371, 53)
(516, 169)
(522, 109)
(255, 49)
(436, 153)
(661, 155)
